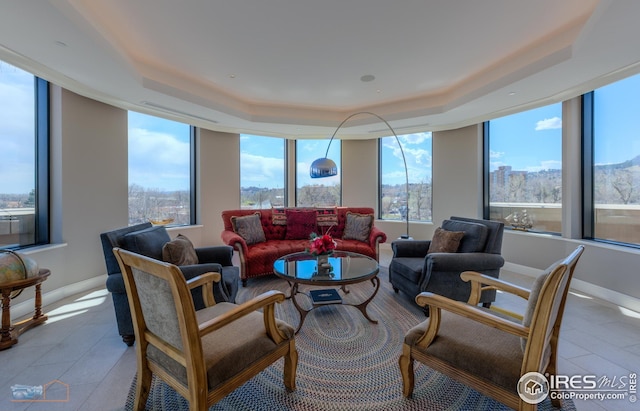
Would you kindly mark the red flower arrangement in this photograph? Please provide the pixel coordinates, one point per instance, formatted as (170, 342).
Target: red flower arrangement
(321, 244)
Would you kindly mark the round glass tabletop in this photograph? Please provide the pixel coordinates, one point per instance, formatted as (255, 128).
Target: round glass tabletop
(346, 268)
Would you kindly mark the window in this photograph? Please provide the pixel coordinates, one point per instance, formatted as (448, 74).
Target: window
(615, 195)
(316, 192)
(24, 138)
(393, 179)
(160, 170)
(262, 171)
(525, 169)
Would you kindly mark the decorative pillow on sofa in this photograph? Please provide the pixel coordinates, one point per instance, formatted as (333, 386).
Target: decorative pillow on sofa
(357, 226)
(249, 227)
(179, 251)
(444, 241)
(300, 224)
(327, 217)
(279, 216)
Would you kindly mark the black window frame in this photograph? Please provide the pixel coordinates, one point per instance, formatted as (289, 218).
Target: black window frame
(42, 162)
(588, 176)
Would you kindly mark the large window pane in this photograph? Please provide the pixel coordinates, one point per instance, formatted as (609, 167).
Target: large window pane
(393, 197)
(23, 131)
(316, 192)
(525, 179)
(616, 169)
(262, 171)
(159, 170)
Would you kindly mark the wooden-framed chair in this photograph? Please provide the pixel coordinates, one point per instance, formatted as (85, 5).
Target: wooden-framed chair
(206, 354)
(482, 348)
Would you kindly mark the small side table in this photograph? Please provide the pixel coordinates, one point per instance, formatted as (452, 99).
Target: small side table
(10, 332)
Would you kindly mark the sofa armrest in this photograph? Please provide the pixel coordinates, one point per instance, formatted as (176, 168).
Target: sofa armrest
(191, 271)
(410, 248)
(235, 241)
(115, 283)
(376, 236)
(220, 291)
(464, 261)
(217, 254)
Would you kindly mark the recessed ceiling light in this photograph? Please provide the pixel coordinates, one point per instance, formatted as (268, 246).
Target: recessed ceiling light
(367, 77)
(60, 43)
(512, 93)
(232, 76)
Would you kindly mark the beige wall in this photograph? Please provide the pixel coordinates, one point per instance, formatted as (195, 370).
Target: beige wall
(457, 180)
(88, 189)
(90, 186)
(360, 173)
(218, 181)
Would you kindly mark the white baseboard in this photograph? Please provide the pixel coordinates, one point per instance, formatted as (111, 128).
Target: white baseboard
(25, 308)
(583, 287)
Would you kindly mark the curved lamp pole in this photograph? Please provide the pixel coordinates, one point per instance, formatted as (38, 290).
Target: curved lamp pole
(325, 167)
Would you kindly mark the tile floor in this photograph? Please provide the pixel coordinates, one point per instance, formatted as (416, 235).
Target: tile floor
(79, 346)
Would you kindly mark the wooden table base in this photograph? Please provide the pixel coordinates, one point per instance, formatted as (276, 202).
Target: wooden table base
(9, 332)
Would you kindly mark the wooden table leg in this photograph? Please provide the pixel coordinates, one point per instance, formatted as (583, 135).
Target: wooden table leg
(38, 308)
(38, 317)
(10, 332)
(6, 340)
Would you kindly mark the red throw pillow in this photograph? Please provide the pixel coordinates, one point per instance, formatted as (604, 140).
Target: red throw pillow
(300, 224)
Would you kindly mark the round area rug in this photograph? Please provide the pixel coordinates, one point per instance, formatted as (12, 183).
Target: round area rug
(345, 362)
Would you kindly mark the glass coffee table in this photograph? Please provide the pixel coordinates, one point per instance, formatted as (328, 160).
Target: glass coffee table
(346, 268)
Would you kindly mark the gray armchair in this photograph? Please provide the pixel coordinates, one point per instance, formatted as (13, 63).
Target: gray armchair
(148, 240)
(412, 270)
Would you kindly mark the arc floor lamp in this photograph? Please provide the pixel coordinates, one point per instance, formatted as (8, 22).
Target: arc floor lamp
(325, 167)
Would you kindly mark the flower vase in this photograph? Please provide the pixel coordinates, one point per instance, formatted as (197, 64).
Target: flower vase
(324, 267)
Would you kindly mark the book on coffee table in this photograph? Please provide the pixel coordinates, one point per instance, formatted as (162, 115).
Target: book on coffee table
(326, 296)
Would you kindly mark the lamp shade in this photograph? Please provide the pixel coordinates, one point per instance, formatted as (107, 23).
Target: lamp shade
(323, 167)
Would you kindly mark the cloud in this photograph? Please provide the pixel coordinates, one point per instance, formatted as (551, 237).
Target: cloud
(17, 134)
(158, 160)
(415, 138)
(546, 165)
(496, 154)
(261, 171)
(419, 158)
(549, 124)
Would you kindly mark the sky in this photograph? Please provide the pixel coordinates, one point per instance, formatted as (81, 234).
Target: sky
(262, 160)
(417, 153)
(527, 141)
(16, 130)
(159, 153)
(159, 149)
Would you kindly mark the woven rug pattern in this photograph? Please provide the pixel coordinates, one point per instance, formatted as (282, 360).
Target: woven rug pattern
(345, 362)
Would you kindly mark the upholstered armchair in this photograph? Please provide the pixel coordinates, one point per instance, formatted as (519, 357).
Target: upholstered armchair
(497, 353)
(203, 355)
(435, 265)
(149, 240)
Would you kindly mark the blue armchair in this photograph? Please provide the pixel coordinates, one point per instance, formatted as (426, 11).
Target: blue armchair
(412, 270)
(148, 240)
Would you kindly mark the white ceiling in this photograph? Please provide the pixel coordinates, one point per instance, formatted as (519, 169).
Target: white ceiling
(293, 68)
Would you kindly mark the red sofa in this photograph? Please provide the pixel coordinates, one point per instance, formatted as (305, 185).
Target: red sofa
(257, 259)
